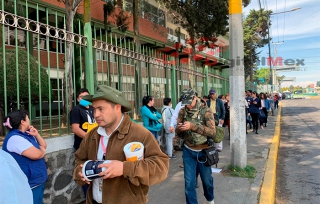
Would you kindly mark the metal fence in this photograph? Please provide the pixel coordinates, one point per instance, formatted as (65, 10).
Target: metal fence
(32, 65)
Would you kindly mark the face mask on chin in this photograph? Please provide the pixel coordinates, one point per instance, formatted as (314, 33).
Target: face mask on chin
(84, 103)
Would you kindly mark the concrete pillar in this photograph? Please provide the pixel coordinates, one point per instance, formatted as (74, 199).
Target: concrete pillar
(238, 143)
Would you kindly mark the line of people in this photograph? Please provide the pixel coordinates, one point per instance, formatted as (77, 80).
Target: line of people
(258, 107)
(102, 129)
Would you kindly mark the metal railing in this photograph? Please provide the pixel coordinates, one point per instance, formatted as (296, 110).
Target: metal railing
(33, 60)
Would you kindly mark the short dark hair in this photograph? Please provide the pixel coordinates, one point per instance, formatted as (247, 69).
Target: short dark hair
(166, 101)
(15, 118)
(82, 90)
(250, 91)
(220, 96)
(146, 100)
(205, 97)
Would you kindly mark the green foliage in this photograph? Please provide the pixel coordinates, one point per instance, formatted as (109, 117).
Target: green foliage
(11, 81)
(255, 33)
(280, 78)
(262, 73)
(291, 88)
(248, 172)
(204, 19)
(120, 19)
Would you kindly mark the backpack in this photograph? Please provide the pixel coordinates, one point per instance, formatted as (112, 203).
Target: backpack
(218, 137)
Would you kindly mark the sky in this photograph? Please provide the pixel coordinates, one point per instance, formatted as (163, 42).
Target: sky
(296, 35)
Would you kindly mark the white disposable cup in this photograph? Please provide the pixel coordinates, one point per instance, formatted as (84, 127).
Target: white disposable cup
(133, 155)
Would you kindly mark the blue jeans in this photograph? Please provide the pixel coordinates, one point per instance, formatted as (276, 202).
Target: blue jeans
(191, 166)
(155, 134)
(37, 193)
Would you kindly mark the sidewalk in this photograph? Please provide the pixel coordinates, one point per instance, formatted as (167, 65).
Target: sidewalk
(228, 190)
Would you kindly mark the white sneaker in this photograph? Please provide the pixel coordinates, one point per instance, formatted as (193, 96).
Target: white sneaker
(211, 202)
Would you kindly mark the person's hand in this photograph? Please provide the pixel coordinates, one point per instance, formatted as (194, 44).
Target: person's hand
(33, 131)
(113, 169)
(221, 122)
(184, 126)
(81, 175)
(171, 129)
(248, 114)
(254, 102)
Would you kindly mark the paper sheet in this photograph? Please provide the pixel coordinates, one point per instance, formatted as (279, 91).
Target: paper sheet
(215, 170)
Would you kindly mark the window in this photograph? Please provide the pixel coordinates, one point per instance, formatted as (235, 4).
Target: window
(127, 6)
(102, 55)
(183, 36)
(54, 44)
(153, 14)
(170, 31)
(56, 90)
(10, 37)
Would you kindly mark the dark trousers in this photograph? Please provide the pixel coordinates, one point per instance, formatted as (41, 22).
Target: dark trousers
(276, 104)
(255, 120)
(265, 119)
(95, 202)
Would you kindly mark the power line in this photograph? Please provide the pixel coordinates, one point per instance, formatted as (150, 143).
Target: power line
(277, 19)
(284, 19)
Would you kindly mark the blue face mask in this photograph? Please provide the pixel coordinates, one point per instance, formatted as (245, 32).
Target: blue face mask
(84, 103)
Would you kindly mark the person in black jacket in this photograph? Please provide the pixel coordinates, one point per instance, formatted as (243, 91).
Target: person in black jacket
(254, 105)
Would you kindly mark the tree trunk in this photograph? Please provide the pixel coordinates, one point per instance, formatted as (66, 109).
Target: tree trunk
(68, 85)
(137, 63)
(2, 128)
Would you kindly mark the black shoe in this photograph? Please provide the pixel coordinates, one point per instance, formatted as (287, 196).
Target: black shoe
(173, 157)
(265, 125)
(257, 132)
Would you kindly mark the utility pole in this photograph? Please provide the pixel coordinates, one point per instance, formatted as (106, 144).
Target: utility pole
(238, 142)
(274, 74)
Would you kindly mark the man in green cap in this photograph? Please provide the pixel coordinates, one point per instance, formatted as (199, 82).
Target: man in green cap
(122, 181)
(196, 124)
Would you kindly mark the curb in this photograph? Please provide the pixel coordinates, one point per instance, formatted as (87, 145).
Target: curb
(267, 193)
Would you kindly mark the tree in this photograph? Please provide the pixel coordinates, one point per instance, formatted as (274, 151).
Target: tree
(71, 9)
(262, 73)
(255, 31)
(280, 78)
(291, 88)
(204, 20)
(318, 84)
(118, 17)
(11, 80)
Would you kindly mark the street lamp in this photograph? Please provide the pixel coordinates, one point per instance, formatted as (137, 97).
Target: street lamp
(271, 72)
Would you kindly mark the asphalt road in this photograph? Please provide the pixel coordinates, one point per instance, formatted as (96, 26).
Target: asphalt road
(298, 166)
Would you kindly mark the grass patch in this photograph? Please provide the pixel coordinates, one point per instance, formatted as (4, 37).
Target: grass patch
(248, 172)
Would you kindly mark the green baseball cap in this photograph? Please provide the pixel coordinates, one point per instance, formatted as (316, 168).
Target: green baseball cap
(187, 96)
(110, 94)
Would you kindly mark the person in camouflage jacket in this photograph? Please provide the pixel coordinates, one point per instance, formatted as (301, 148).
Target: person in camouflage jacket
(191, 152)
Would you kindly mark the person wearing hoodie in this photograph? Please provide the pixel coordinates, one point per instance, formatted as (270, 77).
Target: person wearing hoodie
(150, 116)
(167, 113)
